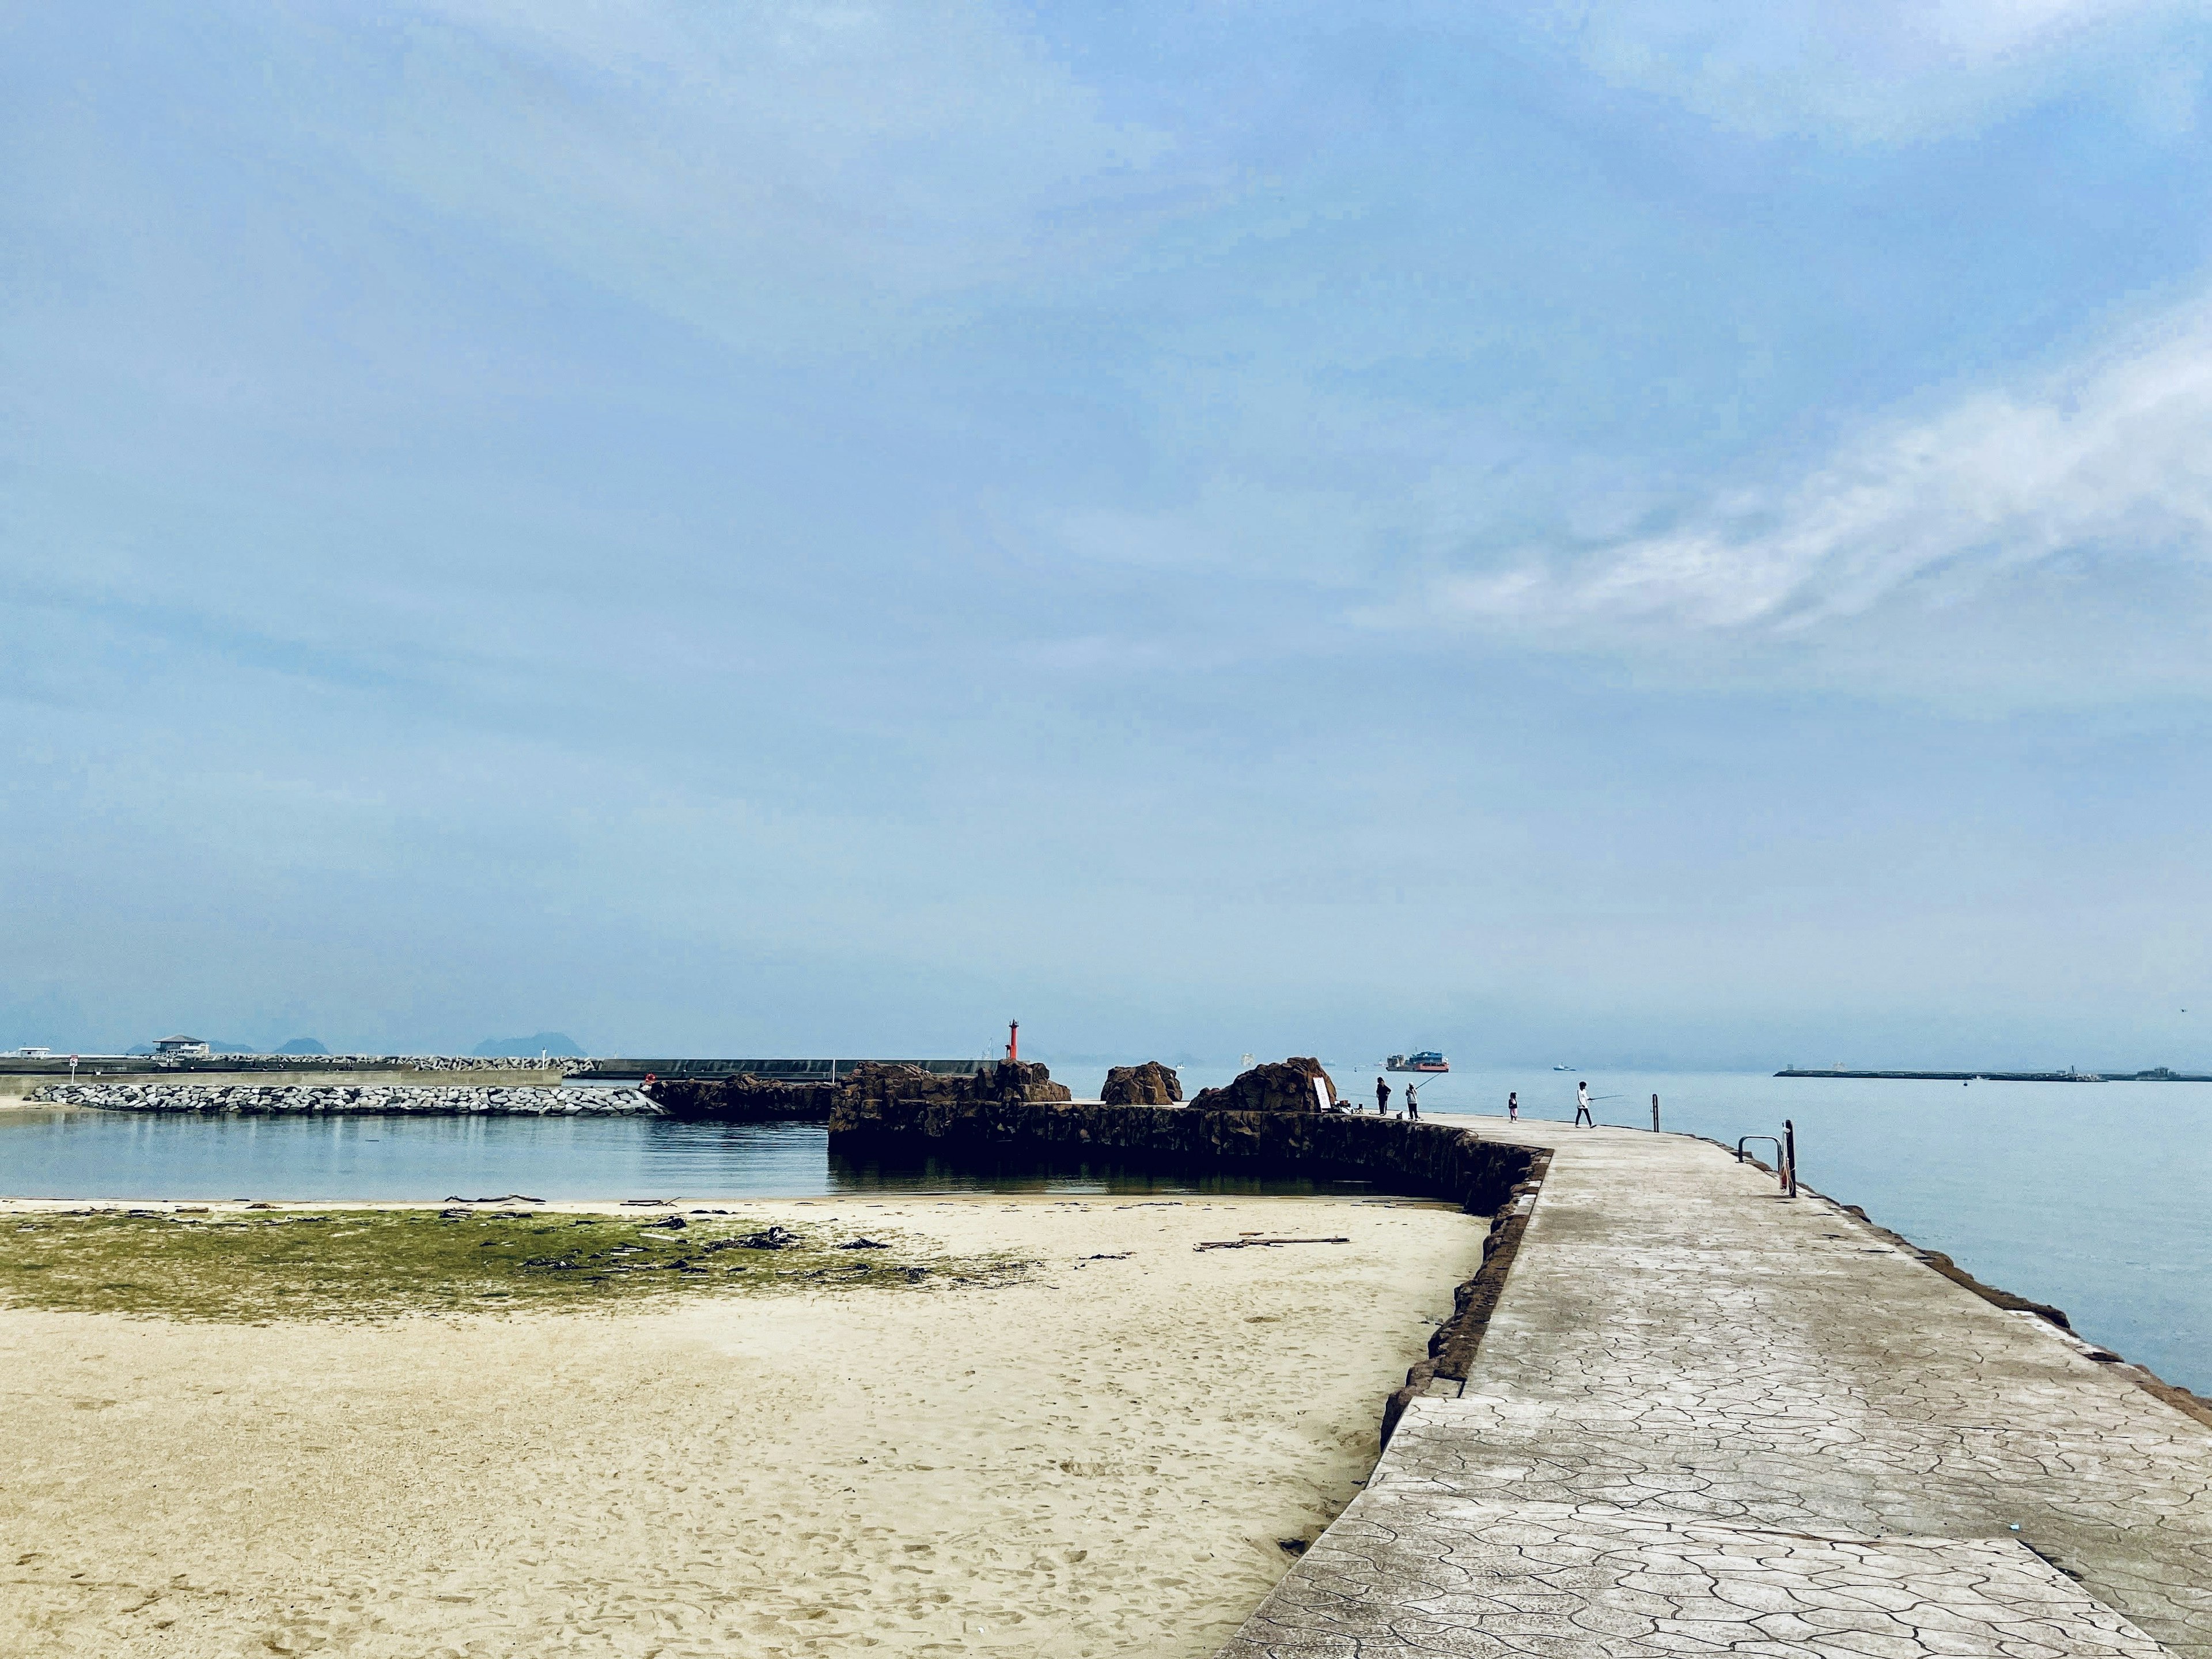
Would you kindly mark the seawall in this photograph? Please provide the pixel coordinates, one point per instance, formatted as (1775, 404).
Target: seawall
(744, 1099)
(1431, 1160)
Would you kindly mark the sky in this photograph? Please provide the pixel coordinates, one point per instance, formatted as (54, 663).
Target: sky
(1671, 534)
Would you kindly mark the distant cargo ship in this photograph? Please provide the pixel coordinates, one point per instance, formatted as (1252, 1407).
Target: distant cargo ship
(1427, 1061)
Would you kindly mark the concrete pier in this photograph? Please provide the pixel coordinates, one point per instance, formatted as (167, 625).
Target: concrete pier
(1704, 1419)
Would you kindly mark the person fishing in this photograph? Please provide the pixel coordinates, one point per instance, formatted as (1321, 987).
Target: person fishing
(1382, 1098)
(1513, 1107)
(1581, 1107)
(1412, 1103)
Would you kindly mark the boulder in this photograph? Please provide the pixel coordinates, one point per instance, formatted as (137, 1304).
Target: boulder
(1286, 1085)
(1149, 1084)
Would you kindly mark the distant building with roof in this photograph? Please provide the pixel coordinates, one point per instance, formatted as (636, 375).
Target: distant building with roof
(181, 1048)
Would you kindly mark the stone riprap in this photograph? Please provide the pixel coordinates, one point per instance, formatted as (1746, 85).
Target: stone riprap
(309, 1100)
(374, 1063)
(1706, 1418)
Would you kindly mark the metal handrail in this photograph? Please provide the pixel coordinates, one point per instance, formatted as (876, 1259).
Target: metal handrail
(1777, 1140)
(1786, 1157)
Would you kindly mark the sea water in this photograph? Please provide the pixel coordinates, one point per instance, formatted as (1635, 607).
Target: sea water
(2089, 1196)
(2094, 1197)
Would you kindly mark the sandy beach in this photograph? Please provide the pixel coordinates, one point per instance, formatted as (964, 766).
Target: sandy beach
(1101, 1457)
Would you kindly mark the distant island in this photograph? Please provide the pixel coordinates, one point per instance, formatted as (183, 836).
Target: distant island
(2156, 1074)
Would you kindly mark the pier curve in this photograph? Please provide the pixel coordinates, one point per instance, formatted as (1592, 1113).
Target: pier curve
(1699, 1417)
(1709, 1419)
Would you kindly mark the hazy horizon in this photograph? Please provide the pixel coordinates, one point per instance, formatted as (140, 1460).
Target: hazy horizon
(1671, 532)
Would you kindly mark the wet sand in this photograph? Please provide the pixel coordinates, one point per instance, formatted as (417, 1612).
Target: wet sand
(1100, 1459)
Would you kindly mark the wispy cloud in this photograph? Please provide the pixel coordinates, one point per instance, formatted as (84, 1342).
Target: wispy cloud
(1873, 71)
(773, 173)
(2111, 459)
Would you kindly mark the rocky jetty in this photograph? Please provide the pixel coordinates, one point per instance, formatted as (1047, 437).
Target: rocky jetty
(306, 1100)
(1149, 1084)
(1286, 1085)
(744, 1099)
(1008, 1082)
(749, 1099)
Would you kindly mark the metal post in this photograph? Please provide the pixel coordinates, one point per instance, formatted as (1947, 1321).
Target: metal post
(1655, 1114)
(1789, 1156)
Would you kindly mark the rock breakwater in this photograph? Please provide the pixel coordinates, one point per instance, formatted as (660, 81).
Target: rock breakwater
(1010, 1082)
(744, 1098)
(312, 1100)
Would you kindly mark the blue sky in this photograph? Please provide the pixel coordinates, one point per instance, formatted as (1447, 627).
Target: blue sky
(1672, 534)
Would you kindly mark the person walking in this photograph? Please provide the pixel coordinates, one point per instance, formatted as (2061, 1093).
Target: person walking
(1382, 1098)
(1581, 1107)
(1513, 1107)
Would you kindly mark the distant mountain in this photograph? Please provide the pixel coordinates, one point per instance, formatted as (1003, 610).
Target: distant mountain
(559, 1044)
(223, 1046)
(302, 1046)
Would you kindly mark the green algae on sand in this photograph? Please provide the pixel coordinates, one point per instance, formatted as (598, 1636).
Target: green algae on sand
(249, 1267)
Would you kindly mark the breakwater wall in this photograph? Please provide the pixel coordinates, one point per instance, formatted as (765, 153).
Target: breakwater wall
(1498, 1179)
(1426, 1160)
(744, 1099)
(314, 1100)
(556, 1065)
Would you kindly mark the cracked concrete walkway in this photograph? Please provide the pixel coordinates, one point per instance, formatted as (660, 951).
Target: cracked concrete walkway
(1707, 1419)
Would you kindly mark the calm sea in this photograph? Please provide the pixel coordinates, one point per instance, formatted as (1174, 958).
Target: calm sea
(2092, 1196)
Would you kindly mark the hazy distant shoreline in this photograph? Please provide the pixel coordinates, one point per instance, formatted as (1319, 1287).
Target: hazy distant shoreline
(2156, 1074)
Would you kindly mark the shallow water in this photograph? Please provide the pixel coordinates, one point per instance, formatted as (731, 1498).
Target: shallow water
(2091, 1196)
(131, 1155)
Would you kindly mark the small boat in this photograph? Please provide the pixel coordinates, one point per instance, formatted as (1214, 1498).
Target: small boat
(1427, 1061)
(1563, 1068)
